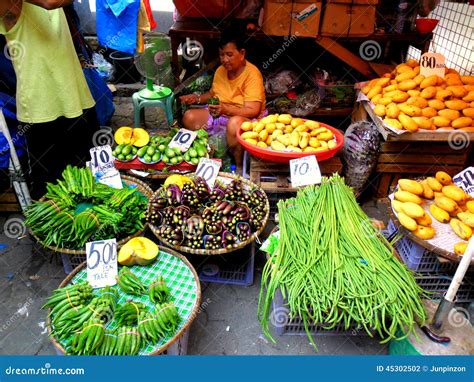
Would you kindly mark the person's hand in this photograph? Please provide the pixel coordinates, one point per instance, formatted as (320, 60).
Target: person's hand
(215, 110)
(189, 99)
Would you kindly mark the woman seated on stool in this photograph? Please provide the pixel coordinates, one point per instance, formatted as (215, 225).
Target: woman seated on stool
(239, 86)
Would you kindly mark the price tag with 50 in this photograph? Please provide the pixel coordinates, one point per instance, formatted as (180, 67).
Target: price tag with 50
(208, 169)
(183, 139)
(305, 171)
(101, 263)
(465, 180)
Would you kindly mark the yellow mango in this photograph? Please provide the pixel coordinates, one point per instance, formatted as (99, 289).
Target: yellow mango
(284, 139)
(439, 214)
(462, 122)
(414, 93)
(263, 135)
(429, 81)
(314, 142)
(461, 229)
(458, 91)
(323, 144)
(434, 184)
(259, 127)
(427, 191)
(246, 126)
(389, 88)
(379, 110)
(374, 91)
(294, 138)
(454, 192)
(385, 101)
(456, 104)
(424, 233)
(408, 123)
(411, 186)
(460, 248)
(312, 124)
(262, 145)
(425, 220)
(470, 206)
(407, 85)
(285, 119)
(436, 104)
(400, 97)
(302, 129)
(288, 129)
(251, 141)
(412, 63)
(417, 101)
(395, 123)
(376, 99)
(326, 136)
(401, 68)
(392, 111)
(444, 178)
(276, 133)
(469, 112)
(331, 144)
(295, 122)
(467, 80)
(429, 112)
(397, 205)
(419, 79)
(406, 221)
(441, 121)
(405, 196)
(428, 93)
(249, 135)
(413, 210)
(277, 146)
(467, 218)
(441, 94)
(280, 126)
(405, 76)
(424, 123)
(449, 114)
(270, 127)
(447, 204)
(304, 140)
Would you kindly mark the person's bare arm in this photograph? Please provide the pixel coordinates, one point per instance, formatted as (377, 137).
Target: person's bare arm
(50, 4)
(10, 11)
(250, 109)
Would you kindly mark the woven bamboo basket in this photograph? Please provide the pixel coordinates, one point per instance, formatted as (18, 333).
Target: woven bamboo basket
(177, 335)
(142, 187)
(225, 178)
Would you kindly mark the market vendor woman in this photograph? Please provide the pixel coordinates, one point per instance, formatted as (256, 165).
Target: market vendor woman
(238, 85)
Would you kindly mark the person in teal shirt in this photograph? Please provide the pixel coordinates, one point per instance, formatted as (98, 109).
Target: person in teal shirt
(54, 103)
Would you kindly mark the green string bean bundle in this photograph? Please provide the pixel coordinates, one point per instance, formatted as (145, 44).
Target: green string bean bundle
(334, 268)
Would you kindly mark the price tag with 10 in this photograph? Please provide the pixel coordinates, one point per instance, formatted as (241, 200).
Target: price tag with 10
(208, 169)
(103, 168)
(304, 171)
(465, 180)
(183, 139)
(101, 263)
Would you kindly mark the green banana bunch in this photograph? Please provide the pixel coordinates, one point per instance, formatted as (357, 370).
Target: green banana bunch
(130, 283)
(89, 338)
(158, 291)
(128, 341)
(73, 294)
(167, 317)
(148, 327)
(128, 313)
(109, 343)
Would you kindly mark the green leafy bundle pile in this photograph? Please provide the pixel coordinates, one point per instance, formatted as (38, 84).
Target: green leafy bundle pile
(76, 210)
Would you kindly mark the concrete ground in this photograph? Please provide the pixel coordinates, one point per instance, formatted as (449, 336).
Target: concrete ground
(227, 323)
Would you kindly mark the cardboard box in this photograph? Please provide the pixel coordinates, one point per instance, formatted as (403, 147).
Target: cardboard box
(346, 19)
(287, 17)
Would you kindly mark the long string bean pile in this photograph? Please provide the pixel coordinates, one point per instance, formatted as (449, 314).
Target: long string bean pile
(334, 268)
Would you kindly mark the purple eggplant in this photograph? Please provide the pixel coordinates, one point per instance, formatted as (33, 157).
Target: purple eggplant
(173, 194)
(228, 240)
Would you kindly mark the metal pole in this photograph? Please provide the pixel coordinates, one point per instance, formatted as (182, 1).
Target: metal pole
(447, 302)
(16, 173)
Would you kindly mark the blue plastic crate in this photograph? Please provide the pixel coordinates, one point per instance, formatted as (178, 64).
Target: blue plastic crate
(438, 284)
(236, 268)
(283, 325)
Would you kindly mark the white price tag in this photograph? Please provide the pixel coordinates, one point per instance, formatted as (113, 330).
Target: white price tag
(465, 180)
(111, 178)
(102, 158)
(101, 263)
(208, 169)
(183, 139)
(305, 171)
(432, 64)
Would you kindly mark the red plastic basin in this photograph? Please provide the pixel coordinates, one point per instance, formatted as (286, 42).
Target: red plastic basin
(426, 25)
(285, 156)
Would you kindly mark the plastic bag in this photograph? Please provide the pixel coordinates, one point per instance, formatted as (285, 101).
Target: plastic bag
(105, 68)
(360, 153)
(305, 104)
(281, 82)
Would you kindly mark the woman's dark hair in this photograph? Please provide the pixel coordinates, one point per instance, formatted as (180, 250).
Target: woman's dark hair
(231, 36)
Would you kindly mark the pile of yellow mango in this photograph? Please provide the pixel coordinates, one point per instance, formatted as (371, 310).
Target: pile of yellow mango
(282, 132)
(406, 100)
(451, 205)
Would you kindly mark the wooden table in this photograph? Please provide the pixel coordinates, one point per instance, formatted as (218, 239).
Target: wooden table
(419, 154)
